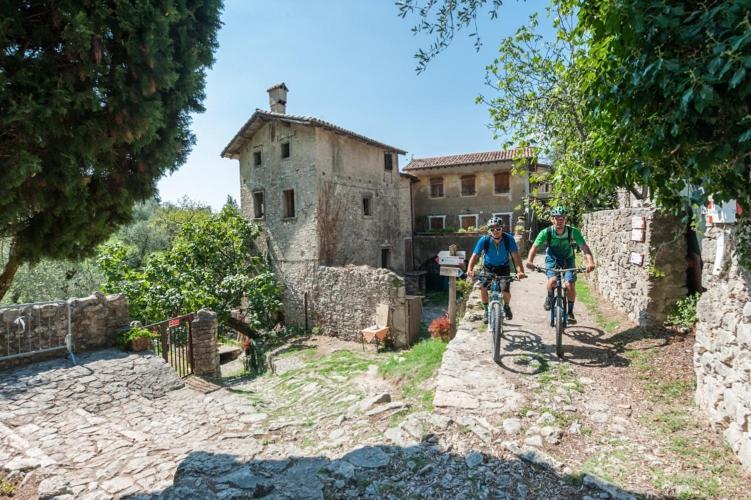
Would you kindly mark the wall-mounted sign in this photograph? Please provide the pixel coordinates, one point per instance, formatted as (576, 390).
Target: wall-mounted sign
(636, 258)
(637, 235)
(638, 223)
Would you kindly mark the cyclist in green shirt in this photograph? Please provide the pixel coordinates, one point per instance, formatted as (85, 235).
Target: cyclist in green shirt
(559, 239)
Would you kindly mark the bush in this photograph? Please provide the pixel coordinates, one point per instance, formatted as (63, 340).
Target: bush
(684, 313)
(464, 287)
(440, 328)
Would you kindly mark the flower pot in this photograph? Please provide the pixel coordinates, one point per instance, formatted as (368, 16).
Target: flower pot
(140, 344)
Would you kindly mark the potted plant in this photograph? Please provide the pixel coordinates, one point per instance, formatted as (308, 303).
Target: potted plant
(136, 339)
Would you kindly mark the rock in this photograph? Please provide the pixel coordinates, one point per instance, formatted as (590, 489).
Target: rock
(342, 468)
(600, 418)
(512, 426)
(535, 440)
(52, 487)
(372, 401)
(551, 434)
(575, 428)
(473, 459)
(368, 457)
(546, 418)
(396, 405)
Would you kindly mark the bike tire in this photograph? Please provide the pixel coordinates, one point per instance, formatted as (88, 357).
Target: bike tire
(496, 321)
(559, 325)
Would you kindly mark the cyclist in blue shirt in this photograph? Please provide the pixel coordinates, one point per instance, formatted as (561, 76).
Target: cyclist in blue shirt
(498, 248)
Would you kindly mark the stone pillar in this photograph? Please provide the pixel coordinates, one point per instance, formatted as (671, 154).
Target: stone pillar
(205, 352)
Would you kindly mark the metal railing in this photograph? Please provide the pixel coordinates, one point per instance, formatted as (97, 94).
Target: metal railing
(174, 343)
(29, 329)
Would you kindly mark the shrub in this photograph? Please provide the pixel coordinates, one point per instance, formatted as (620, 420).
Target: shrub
(440, 328)
(464, 287)
(684, 313)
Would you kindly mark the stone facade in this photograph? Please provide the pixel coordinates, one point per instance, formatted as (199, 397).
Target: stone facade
(95, 322)
(722, 353)
(451, 205)
(204, 344)
(648, 292)
(343, 302)
(324, 196)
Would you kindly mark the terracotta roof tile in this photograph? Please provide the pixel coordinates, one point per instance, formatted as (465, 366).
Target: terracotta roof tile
(468, 159)
(232, 150)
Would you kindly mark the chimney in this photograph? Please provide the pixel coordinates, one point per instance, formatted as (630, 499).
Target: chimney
(278, 98)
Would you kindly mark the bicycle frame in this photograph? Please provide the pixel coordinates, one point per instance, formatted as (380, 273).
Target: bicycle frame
(559, 309)
(496, 309)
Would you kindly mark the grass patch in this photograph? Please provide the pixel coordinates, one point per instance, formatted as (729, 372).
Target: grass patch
(437, 297)
(686, 487)
(671, 391)
(670, 421)
(642, 360)
(413, 367)
(584, 295)
(562, 374)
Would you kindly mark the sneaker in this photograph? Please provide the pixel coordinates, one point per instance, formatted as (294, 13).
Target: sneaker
(552, 323)
(571, 318)
(548, 302)
(507, 310)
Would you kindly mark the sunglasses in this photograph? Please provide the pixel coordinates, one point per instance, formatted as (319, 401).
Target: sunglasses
(496, 229)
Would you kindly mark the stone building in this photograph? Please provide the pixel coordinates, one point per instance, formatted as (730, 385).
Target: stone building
(325, 196)
(461, 192)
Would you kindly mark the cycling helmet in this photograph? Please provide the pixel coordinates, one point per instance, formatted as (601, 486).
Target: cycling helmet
(557, 211)
(495, 222)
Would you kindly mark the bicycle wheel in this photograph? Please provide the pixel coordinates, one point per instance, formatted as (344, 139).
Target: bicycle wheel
(496, 321)
(559, 324)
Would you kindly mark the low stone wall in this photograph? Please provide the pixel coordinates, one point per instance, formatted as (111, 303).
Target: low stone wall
(645, 293)
(343, 302)
(205, 351)
(722, 353)
(95, 322)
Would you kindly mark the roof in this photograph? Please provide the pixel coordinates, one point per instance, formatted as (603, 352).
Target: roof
(278, 86)
(468, 159)
(232, 150)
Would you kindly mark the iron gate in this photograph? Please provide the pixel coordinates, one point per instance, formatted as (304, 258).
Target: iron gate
(29, 329)
(174, 342)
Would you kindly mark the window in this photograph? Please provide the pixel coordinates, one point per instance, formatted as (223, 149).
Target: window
(367, 205)
(388, 161)
(468, 185)
(436, 187)
(502, 183)
(436, 222)
(258, 208)
(256, 158)
(508, 219)
(289, 203)
(285, 150)
(467, 221)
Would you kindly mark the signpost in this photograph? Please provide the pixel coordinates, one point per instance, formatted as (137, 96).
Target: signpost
(450, 260)
(454, 272)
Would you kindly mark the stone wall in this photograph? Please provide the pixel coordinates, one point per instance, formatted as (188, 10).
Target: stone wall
(646, 293)
(722, 353)
(95, 322)
(344, 299)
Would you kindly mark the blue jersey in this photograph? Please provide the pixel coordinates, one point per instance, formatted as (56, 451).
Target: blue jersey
(496, 254)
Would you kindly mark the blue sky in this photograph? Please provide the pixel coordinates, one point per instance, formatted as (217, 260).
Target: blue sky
(349, 62)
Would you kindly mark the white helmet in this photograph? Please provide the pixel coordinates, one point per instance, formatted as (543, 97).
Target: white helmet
(495, 222)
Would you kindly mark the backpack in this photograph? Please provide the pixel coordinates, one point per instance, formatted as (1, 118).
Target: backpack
(571, 243)
(504, 239)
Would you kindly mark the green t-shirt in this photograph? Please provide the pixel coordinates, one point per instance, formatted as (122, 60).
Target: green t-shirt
(559, 243)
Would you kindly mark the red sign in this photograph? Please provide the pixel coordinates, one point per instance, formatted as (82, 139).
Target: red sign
(174, 322)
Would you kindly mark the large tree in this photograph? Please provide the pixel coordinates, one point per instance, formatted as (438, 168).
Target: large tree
(95, 104)
(662, 87)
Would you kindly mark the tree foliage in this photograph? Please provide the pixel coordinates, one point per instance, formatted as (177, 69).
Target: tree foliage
(95, 103)
(659, 93)
(211, 263)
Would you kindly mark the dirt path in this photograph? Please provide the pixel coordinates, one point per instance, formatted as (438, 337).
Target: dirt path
(618, 406)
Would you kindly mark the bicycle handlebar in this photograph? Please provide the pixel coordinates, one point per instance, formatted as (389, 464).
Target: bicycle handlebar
(560, 270)
(482, 275)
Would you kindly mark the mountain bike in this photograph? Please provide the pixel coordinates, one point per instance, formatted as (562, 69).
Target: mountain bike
(496, 304)
(559, 308)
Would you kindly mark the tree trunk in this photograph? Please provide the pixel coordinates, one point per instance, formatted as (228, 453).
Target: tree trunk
(14, 262)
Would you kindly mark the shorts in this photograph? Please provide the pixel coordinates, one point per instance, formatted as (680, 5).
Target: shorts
(551, 262)
(499, 270)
